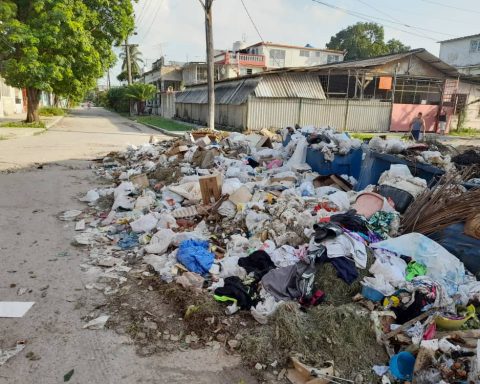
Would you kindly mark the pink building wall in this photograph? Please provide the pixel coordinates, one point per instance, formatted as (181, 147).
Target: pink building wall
(403, 114)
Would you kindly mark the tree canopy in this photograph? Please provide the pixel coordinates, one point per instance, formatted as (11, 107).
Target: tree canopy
(60, 46)
(364, 40)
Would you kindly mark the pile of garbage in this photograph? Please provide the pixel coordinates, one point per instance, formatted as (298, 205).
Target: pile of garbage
(245, 220)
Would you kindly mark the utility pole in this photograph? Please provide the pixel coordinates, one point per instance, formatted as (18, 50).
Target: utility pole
(207, 7)
(129, 63)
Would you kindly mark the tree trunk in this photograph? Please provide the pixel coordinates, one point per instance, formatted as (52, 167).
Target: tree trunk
(56, 101)
(33, 101)
(210, 64)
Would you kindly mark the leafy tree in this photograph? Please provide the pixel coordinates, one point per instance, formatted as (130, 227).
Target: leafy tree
(396, 46)
(124, 76)
(364, 40)
(140, 93)
(59, 46)
(135, 61)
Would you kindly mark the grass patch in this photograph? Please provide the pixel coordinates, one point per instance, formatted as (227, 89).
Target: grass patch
(3, 138)
(167, 124)
(51, 111)
(23, 124)
(466, 132)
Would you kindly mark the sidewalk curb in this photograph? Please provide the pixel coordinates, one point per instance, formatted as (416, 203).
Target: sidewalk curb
(53, 122)
(164, 131)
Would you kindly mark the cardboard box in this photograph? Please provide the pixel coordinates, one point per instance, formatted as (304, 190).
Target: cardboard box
(211, 188)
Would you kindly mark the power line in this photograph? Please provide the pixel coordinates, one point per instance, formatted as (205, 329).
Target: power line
(369, 18)
(451, 6)
(397, 21)
(160, 3)
(251, 19)
(142, 11)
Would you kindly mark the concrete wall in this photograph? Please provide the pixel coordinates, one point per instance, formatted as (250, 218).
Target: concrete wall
(472, 109)
(403, 114)
(458, 54)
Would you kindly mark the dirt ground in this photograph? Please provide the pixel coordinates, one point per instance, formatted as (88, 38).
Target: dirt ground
(36, 254)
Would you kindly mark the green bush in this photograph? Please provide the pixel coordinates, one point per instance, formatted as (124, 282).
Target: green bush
(116, 99)
(51, 111)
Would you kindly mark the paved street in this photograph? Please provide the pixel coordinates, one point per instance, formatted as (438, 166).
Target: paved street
(84, 134)
(35, 254)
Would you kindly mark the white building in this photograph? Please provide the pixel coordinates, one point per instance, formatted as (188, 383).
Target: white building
(11, 99)
(462, 53)
(284, 56)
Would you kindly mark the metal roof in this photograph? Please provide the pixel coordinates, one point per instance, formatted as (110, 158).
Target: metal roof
(236, 92)
(232, 92)
(460, 38)
(296, 85)
(421, 53)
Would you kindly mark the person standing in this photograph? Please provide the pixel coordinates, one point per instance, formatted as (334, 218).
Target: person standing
(416, 126)
(442, 122)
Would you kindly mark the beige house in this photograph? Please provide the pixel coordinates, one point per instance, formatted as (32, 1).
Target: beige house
(11, 100)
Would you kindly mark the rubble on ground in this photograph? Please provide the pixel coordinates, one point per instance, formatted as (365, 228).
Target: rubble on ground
(264, 244)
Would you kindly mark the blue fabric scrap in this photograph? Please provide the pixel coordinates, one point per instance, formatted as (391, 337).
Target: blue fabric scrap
(195, 256)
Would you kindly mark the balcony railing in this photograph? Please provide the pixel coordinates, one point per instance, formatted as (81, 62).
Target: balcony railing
(240, 58)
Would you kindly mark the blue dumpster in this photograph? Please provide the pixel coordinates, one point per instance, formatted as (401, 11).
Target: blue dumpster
(374, 164)
(349, 164)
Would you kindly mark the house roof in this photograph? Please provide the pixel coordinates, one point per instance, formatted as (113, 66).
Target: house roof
(270, 44)
(421, 53)
(373, 62)
(237, 91)
(460, 38)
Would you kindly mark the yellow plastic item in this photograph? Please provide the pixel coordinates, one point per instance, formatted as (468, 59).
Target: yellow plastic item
(392, 301)
(455, 325)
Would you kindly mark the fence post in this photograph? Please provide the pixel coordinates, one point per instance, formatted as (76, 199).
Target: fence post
(299, 122)
(346, 116)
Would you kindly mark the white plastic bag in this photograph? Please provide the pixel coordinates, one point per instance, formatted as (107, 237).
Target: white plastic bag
(160, 241)
(145, 223)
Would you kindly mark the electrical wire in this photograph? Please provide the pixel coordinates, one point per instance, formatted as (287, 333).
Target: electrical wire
(253, 22)
(451, 6)
(142, 13)
(371, 19)
(160, 3)
(397, 21)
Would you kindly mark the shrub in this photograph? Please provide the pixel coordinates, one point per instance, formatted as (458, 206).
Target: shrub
(51, 111)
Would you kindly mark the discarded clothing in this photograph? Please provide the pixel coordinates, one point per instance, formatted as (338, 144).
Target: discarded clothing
(345, 268)
(195, 256)
(381, 223)
(291, 283)
(346, 246)
(258, 262)
(415, 269)
(351, 221)
(234, 290)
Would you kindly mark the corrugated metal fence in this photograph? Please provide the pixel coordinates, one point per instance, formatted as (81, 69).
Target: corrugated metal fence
(258, 113)
(350, 115)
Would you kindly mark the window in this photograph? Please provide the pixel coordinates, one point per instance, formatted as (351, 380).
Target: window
(474, 46)
(277, 58)
(304, 53)
(333, 58)
(249, 71)
(318, 54)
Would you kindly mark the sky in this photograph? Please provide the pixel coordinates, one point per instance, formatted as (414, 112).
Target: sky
(175, 28)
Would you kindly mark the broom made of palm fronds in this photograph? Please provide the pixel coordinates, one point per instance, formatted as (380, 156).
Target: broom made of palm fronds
(445, 204)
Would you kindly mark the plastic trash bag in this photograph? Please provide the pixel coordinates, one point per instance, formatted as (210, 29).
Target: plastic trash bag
(91, 196)
(299, 156)
(195, 256)
(230, 185)
(307, 189)
(160, 241)
(145, 223)
(163, 264)
(441, 265)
